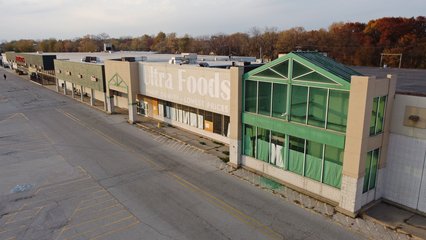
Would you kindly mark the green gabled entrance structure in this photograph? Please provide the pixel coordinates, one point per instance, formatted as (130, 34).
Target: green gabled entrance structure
(305, 121)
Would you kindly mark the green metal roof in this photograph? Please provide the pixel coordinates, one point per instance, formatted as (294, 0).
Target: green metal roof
(328, 64)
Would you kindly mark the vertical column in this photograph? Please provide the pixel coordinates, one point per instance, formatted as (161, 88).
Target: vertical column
(72, 90)
(132, 112)
(356, 145)
(235, 103)
(65, 88)
(57, 84)
(92, 97)
(106, 102)
(110, 103)
(380, 183)
(81, 94)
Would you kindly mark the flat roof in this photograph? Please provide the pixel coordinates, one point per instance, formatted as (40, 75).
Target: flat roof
(212, 60)
(409, 81)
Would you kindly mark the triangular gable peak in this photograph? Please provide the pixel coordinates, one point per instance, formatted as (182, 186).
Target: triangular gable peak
(305, 68)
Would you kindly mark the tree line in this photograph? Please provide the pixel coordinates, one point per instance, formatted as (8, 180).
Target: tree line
(352, 43)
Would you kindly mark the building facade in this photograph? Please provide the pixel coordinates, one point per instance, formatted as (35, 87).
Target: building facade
(315, 125)
(188, 96)
(304, 120)
(82, 79)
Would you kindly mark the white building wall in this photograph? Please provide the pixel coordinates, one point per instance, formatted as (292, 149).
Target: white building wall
(405, 172)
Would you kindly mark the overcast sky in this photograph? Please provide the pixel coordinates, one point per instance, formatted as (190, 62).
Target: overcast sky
(67, 19)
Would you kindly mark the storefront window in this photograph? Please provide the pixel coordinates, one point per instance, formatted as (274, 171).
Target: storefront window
(333, 162)
(313, 165)
(217, 123)
(296, 155)
(226, 123)
(279, 101)
(264, 98)
(317, 107)
(262, 149)
(298, 104)
(277, 149)
(338, 110)
(249, 139)
(250, 96)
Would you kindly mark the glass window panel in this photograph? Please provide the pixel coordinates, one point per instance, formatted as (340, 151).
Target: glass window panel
(374, 116)
(226, 125)
(296, 155)
(250, 96)
(317, 107)
(299, 104)
(279, 101)
(374, 163)
(262, 149)
(313, 163)
(264, 98)
(282, 68)
(333, 162)
(299, 69)
(337, 110)
(315, 77)
(381, 115)
(367, 172)
(249, 140)
(209, 116)
(217, 123)
(268, 73)
(277, 149)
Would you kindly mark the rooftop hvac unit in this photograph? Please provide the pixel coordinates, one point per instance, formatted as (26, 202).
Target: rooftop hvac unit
(90, 59)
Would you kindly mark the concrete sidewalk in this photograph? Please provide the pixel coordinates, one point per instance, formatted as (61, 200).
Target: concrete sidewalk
(202, 143)
(397, 219)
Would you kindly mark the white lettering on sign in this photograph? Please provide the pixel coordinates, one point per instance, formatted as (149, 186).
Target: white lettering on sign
(207, 89)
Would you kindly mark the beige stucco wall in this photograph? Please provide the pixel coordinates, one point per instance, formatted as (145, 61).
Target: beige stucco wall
(190, 85)
(123, 77)
(359, 142)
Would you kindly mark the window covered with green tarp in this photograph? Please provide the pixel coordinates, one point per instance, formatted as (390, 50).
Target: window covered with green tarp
(299, 103)
(249, 139)
(277, 149)
(296, 155)
(338, 110)
(317, 107)
(371, 164)
(264, 98)
(250, 96)
(381, 114)
(333, 164)
(378, 115)
(262, 147)
(313, 164)
(279, 100)
(373, 118)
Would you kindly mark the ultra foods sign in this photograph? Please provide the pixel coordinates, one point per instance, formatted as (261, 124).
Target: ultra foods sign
(201, 88)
